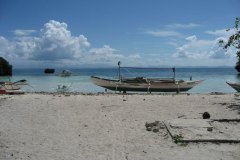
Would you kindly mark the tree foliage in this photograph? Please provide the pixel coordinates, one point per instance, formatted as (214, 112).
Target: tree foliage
(234, 41)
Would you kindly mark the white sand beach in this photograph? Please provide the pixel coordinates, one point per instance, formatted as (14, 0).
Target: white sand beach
(107, 126)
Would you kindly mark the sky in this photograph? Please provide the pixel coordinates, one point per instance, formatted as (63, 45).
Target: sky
(99, 33)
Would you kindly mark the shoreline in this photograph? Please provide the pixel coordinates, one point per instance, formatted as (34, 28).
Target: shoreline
(131, 93)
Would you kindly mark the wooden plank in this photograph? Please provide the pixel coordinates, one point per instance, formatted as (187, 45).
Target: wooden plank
(199, 130)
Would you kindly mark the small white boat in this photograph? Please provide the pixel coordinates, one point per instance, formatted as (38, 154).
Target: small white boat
(65, 73)
(140, 84)
(63, 88)
(235, 86)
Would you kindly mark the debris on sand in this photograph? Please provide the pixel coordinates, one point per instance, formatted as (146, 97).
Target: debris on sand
(154, 126)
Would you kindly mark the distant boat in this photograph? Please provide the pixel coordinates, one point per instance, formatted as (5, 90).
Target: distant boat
(235, 86)
(63, 88)
(49, 70)
(65, 73)
(141, 84)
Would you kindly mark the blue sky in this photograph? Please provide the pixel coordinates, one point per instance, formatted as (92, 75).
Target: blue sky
(94, 33)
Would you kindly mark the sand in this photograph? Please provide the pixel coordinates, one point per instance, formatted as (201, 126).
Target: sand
(107, 126)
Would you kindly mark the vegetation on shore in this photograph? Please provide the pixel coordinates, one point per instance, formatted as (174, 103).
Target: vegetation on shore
(234, 41)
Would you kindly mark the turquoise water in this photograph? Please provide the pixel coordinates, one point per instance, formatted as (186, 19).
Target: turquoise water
(214, 78)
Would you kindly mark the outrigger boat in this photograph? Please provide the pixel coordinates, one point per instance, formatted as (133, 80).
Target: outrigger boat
(63, 88)
(141, 84)
(235, 86)
(12, 87)
(65, 73)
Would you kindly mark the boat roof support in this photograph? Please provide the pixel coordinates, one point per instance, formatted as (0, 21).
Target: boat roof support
(143, 68)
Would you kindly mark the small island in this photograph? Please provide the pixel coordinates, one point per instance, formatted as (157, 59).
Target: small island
(49, 70)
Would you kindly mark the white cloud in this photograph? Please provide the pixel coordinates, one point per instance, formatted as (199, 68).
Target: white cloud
(106, 54)
(134, 56)
(170, 30)
(20, 32)
(202, 49)
(3, 45)
(105, 51)
(207, 49)
(172, 43)
(183, 26)
(192, 38)
(221, 32)
(163, 33)
(21, 48)
(55, 45)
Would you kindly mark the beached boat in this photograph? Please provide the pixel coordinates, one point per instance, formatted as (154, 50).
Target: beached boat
(9, 86)
(12, 85)
(235, 86)
(141, 84)
(144, 84)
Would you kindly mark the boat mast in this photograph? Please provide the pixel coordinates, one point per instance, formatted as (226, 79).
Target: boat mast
(119, 70)
(174, 74)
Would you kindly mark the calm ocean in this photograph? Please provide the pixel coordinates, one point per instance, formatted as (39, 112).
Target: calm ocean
(214, 78)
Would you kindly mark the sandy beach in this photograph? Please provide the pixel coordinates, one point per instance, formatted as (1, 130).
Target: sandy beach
(108, 126)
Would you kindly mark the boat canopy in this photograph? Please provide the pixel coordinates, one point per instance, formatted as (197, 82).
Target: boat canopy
(144, 68)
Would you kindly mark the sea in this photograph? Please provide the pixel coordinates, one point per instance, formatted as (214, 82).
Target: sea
(214, 79)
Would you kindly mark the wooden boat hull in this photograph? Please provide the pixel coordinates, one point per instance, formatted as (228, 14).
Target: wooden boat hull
(10, 87)
(235, 86)
(147, 86)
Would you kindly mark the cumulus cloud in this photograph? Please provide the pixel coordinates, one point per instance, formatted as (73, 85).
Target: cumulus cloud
(20, 32)
(105, 54)
(201, 49)
(104, 51)
(3, 45)
(56, 44)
